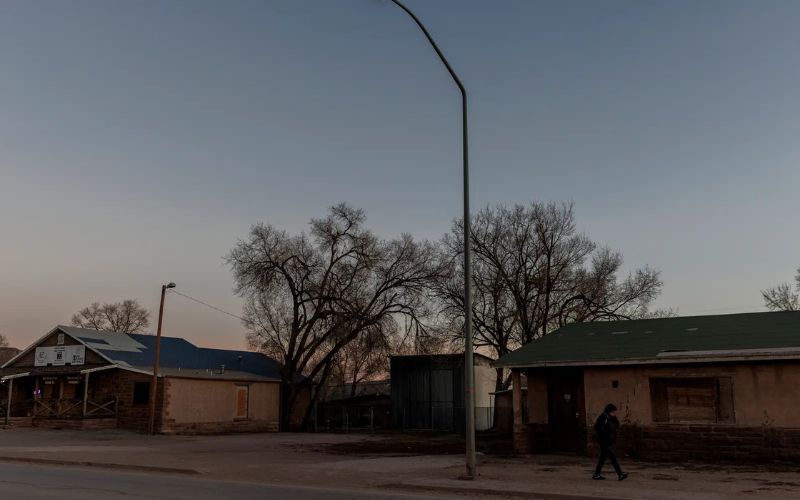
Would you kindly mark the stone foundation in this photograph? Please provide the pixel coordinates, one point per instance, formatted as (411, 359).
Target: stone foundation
(683, 442)
(19, 422)
(76, 424)
(709, 442)
(220, 427)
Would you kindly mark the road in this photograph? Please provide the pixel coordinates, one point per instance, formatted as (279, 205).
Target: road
(35, 482)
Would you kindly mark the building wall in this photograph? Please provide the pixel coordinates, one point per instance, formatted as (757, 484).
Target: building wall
(198, 405)
(485, 385)
(537, 399)
(765, 423)
(28, 360)
(119, 384)
(764, 393)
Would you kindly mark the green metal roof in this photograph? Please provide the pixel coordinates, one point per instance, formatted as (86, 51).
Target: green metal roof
(688, 338)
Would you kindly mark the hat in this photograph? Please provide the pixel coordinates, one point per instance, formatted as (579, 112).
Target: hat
(609, 408)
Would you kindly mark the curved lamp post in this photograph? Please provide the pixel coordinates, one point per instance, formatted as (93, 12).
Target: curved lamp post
(154, 383)
(468, 366)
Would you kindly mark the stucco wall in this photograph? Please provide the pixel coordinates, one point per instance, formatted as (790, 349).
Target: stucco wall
(214, 401)
(537, 399)
(485, 385)
(764, 393)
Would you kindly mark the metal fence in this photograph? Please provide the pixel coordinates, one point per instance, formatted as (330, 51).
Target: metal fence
(437, 418)
(443, 418)
(352, 417)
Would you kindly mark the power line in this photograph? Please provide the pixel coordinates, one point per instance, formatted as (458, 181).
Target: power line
(206, 304)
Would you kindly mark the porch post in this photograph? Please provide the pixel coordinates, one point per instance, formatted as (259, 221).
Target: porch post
(60, 395)
(85, 392)
(520, 429)
(36, 396)
(8, 403)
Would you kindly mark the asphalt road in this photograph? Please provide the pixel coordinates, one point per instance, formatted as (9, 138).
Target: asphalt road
(35, 482)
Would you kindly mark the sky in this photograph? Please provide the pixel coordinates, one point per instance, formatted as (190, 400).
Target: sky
(140, 140)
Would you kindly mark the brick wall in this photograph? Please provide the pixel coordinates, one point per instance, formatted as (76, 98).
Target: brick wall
(711, 442)
(221, 427)
(78, 424)
(683, 442)
(119, 384)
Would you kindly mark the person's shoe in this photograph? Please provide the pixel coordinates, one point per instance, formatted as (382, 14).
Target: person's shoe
(623, 476)
(597, 477)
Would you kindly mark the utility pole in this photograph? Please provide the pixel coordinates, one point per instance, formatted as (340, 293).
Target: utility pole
(154, 383)
(469, 383)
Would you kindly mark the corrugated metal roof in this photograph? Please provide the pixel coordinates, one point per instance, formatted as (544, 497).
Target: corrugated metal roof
(137, 350)
(662, 340)
(208, 374)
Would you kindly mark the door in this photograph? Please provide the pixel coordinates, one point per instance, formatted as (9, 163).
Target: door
(442, 400)
(242, 401)
(565, 411)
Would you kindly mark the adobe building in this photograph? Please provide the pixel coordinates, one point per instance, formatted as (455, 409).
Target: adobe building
(80, 379)
(709, 387)
(428, 392)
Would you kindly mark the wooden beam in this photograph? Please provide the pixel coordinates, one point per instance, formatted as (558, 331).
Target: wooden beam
(60, 395)
(520, 431)
(8, 403)
(85, 392)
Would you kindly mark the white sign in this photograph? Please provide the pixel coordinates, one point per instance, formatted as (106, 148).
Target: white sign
(60, 355)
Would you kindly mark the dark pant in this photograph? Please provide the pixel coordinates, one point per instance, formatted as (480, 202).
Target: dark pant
(607, 452)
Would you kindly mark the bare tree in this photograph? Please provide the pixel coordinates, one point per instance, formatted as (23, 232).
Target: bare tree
(363, 359)
(309, 296)
(532, 276)
(3, 341)
(124, 317)
(781, 297)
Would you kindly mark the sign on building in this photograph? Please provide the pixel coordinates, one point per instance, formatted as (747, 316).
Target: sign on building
(60, 355)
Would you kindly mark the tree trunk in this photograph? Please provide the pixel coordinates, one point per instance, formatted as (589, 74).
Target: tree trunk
(288, 400)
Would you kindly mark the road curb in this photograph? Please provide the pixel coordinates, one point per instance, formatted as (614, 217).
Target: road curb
(101, 465)
(464, 490)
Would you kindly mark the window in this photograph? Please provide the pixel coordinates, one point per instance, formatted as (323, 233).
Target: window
(692, 400)
(141, 393)
(242, 397)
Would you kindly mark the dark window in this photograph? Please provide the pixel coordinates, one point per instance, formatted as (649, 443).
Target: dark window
(615, 384)
(687, 400)
(141, 393)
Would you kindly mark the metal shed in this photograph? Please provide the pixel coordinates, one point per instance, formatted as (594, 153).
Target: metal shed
(428, 392)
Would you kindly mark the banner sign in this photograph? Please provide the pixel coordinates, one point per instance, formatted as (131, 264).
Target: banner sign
(60, 355)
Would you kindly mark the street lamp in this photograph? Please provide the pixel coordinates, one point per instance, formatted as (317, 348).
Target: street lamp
(154, 384)
(469, 368)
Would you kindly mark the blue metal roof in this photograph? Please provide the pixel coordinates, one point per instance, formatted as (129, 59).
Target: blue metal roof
(137, 350)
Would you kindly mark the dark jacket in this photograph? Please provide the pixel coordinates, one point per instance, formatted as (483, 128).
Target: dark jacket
(605, 429)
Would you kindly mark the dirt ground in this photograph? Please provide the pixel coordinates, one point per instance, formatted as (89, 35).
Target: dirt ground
(406, 462)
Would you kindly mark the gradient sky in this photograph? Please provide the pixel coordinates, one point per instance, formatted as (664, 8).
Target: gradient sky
(140, 139)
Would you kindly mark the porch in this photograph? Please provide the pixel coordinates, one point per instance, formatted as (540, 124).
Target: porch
(45, 397)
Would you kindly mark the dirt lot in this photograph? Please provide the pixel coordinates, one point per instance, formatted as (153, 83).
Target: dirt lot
(418, 463)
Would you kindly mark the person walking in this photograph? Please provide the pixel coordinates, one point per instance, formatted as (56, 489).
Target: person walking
(605, 432)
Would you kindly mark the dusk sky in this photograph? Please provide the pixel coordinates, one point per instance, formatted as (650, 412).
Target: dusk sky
(140, 139)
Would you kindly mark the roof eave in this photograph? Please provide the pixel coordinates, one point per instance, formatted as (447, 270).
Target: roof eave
(651, 361)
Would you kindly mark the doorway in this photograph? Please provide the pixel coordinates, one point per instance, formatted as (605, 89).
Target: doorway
(566, 410)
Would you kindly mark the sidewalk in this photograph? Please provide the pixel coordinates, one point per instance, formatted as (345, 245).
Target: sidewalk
(306, 459)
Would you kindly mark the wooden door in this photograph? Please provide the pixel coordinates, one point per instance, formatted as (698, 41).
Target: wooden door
(565, 411)
(242, 401)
